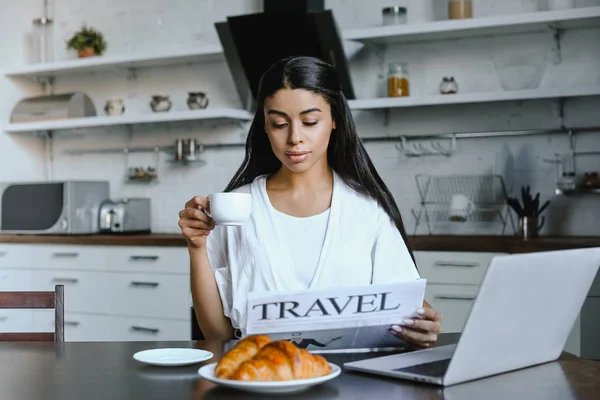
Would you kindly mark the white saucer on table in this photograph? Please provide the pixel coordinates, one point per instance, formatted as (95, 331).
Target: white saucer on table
(208, 372)
(172, 357)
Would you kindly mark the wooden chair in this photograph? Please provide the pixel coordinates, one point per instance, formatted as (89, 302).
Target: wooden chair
(37, 300)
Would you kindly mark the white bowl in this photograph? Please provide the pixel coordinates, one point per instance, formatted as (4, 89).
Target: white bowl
(519, 72)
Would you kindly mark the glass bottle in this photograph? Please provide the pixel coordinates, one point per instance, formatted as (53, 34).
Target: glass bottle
(43, 40)
(398, 80)
(43, 34)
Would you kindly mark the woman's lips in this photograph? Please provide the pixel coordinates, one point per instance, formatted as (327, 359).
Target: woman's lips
(297, 156)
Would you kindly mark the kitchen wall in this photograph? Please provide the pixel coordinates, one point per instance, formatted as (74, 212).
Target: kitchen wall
(20, 157)
(137, 25)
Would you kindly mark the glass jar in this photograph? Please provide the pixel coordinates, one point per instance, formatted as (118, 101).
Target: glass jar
(567, 183)
(43, 40)
(460, 9)
(398, 80)
(394, 15)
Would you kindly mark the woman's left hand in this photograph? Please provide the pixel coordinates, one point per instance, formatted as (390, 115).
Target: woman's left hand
(420, 332)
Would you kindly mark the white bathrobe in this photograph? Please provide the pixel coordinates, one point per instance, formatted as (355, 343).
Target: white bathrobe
(362, 246)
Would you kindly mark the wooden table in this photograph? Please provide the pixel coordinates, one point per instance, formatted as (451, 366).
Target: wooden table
(497, 244)
(106, 370)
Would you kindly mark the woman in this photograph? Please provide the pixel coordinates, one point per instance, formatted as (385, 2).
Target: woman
(321, 215)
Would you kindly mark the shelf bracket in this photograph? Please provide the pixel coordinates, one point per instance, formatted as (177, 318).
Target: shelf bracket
(561, 112)
(47, 83)
(49, 153)
(132, 74)
(572, 149)
(378, 50)
(386, 116)
(556, 45)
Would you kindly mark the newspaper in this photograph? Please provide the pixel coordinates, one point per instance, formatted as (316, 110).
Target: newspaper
(336, 319)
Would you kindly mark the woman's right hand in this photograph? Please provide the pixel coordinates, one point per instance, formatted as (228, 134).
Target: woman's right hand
(194, 223)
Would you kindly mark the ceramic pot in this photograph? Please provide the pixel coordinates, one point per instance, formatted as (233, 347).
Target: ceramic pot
(114, 107)
(197, 100)
(86, 52)
(160, 103)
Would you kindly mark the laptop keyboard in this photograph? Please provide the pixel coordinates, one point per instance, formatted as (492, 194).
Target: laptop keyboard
(436, 369)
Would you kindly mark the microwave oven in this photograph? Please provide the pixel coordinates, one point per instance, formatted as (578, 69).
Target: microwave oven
(57, 207)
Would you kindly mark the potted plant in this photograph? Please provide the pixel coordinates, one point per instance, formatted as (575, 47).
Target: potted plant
(87, 42)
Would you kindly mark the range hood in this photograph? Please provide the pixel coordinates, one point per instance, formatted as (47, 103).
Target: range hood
(253, 42)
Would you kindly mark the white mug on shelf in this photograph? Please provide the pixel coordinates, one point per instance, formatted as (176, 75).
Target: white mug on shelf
(460, 208)
(229, 208)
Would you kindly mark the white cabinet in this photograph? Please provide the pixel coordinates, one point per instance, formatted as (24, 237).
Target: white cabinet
(448, 267)
(84, 291)
(150, 295)
(81, 327)
(453, 279)
(111, 292)
(14, 320)
(454, 302)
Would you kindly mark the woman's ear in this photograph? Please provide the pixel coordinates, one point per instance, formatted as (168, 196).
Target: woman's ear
(333, 125)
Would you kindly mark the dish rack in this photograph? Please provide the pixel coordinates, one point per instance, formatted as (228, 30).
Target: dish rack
(487, 193)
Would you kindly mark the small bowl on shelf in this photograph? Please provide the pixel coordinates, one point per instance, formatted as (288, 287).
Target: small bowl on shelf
(519, 71)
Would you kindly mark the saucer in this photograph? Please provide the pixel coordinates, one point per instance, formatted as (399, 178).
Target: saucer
(172, 357)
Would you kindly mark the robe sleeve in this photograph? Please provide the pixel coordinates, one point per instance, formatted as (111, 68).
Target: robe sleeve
(216, 246)
(390, 257)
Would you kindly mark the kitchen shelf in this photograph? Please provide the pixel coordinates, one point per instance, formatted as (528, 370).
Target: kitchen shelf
(146, 59)
(465, 98)
(104, 121)
(575, 192)
(577, 18)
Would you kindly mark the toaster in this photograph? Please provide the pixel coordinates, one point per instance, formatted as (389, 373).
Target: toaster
(126, 215)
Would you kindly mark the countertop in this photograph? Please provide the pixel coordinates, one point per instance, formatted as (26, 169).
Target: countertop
(107, 370)
(495, 244)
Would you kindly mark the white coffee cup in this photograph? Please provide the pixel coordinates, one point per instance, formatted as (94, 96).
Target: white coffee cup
(460, 207)
(230, 208)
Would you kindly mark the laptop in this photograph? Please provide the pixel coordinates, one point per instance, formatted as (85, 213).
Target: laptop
(522, 316)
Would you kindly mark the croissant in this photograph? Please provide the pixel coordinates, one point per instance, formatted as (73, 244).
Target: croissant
(244, 350)
(282, 361)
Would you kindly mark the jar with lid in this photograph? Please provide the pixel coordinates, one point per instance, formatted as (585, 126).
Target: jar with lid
(398, 80)
(567, 183)
(460, 9)
(394, 15)
(448, 86)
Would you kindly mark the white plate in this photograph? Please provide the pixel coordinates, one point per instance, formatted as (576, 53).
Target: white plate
(208, 372)
(172, 357)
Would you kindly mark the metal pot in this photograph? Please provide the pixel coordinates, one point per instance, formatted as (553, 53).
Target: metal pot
(529, 227)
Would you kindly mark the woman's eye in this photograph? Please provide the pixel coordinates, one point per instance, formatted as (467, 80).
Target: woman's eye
(279, 126)
(311, 123)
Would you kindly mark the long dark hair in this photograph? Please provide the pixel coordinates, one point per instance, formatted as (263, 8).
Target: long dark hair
(345, 153)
